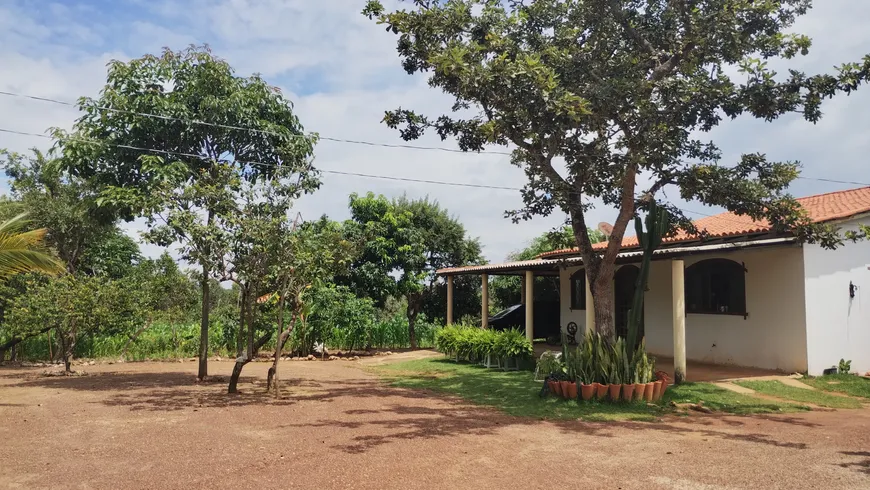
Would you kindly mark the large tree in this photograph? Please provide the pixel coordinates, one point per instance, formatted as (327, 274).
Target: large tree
(608, 100)
(406, 241)
(172, 138)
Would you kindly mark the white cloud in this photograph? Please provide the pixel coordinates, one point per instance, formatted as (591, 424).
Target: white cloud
(342, 72)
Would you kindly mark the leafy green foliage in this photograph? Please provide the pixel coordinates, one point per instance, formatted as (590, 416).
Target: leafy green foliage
(405, 242)
(82, 234)
(23, 251)
(515, 393)
(193, 184)
(617, 90)
(475, 343)
(844, 367)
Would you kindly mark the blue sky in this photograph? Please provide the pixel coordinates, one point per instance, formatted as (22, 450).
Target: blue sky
(342, 72)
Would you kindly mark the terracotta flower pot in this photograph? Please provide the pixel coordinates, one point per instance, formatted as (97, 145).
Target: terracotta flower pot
(555, 388)
(569, 390)
(587, 391)
(627, 392)
(638, 391)
(648, 392)
(657, 390)
(614, 392)
(563, 388)
(600, 391)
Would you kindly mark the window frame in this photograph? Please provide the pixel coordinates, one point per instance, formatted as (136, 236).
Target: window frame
(574, 279)
(702, 286)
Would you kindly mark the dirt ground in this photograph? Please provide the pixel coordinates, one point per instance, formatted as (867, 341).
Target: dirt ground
(149, 425)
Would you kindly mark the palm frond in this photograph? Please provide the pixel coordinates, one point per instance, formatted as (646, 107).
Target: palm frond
(22, 251)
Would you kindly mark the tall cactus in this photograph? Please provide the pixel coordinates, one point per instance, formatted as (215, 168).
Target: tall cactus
(657, 223)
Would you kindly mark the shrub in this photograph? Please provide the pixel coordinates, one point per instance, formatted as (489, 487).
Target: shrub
(547, 365)
(472, 343)
(513, 344)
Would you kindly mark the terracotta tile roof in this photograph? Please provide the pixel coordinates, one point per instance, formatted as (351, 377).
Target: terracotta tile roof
(821, 208)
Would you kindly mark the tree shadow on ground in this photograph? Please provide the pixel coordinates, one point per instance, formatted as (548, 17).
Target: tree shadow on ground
(406, 422)
(174, 391)
(393, 414)
(862, 466)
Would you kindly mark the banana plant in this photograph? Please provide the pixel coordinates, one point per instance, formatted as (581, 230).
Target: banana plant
(657, 223)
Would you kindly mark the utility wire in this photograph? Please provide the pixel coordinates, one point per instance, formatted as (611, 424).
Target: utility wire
(262, 131)
(325, 138)
(328, 171)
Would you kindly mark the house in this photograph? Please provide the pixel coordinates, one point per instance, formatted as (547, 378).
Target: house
(745, 295)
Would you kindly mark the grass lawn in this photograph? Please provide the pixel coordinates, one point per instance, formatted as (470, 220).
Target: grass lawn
(780, 390)
(841, 383)
(516, 393)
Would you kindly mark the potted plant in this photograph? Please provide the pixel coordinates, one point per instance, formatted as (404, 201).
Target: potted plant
(603, 366)
(586, 372)
(484, 348)
(665, 379)
(614, 385)
(621, 360)
(546, 365)
(649, 392)
(512, 346)
(641, 371)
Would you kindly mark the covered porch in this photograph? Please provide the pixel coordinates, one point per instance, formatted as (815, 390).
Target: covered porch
(665, 306)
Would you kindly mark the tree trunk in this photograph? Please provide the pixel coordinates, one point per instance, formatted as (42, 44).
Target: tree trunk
(412, 319)
(13, 354)
(67, 343)
(203, 326)
(237, 372)
(240, 333)
(272, 377)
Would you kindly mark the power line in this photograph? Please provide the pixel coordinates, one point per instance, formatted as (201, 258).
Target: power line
(325, 138)
(352, 174)
(328, 171)
(834, 181)
(254, 130)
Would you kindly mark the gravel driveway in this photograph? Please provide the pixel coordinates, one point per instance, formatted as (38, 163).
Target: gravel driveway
(149, 425)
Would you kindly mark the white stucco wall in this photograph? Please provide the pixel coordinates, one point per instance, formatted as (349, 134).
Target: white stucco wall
(773, 336)
(838, 326)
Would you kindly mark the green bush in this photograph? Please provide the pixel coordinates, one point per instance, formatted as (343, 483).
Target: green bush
(465, 342)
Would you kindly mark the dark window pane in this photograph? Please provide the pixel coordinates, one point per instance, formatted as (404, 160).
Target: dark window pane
(716, 286)
(578, 290)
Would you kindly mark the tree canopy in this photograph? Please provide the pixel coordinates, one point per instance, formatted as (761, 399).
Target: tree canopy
(405, 242)
(609, 101)
(178, 138)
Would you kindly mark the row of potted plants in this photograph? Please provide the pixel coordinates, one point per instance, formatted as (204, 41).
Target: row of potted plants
(506, 349)
(602, 370)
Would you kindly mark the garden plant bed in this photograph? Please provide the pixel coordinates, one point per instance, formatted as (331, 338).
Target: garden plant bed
(516, 393)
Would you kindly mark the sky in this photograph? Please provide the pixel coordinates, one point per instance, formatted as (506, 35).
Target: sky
(342, 72)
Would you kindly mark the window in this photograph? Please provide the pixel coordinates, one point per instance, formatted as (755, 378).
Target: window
(716, 286)
(578, 290)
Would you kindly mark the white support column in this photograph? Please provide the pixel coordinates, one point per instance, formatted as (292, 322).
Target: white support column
(530, 305)
(678, 290)
(484, 300)
(590, 307)
(450, 300)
